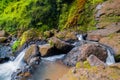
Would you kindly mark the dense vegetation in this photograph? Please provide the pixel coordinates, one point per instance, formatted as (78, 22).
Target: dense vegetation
(46, 14)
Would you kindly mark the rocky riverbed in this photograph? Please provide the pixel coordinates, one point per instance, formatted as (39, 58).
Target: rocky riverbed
(67, 54)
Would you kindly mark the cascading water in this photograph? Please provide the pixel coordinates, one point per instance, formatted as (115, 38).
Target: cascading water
(110, 58)
(8, 68)
(54, 58)
(80, 37)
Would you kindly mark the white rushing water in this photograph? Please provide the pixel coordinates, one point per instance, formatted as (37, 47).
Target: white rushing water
(110, 59)
(80, 37)
(8, 68)
(54, 58)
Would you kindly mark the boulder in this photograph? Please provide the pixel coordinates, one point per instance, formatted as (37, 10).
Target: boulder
(48, 34)
(94, 61)
(95, 49)
(60, 45)
(2, 39)
(2, 60)
(81, 53)
(47, 50)
(28, 35)
(67, 35)
(32, 55)
(2, 33)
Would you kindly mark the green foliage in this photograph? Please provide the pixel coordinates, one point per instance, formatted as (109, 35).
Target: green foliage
(70, 14)
(23, 14)
(15, 45)
(47, 14)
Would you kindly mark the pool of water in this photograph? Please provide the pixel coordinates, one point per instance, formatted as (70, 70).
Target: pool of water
(50, 70)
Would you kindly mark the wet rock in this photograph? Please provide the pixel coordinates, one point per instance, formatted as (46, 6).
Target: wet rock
(32, 54)
(81, 53)
(5, 53)
(2, 60)
(22, 74)
(94, 61)
(60, 45)
(71, 57)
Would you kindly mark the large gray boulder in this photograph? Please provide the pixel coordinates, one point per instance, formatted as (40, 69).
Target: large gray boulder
(81, 53)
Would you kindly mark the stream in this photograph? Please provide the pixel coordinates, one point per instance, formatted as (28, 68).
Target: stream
(49, 68)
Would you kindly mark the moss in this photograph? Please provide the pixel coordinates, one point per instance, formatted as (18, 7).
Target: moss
(15, 45)
(83, 78)
(51, 43)
(86, 64)
(111, 36)
(79, 65)
(114, 75)
(27, 35)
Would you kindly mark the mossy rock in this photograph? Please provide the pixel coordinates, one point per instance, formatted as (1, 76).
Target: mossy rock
(66, 35)
(2, 39)
(84, 64)
(109, 73)
(79, 65)
(28, 35)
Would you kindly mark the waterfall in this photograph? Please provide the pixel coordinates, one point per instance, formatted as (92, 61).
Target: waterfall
(80, 37)
(110, 59)
(8, 68)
